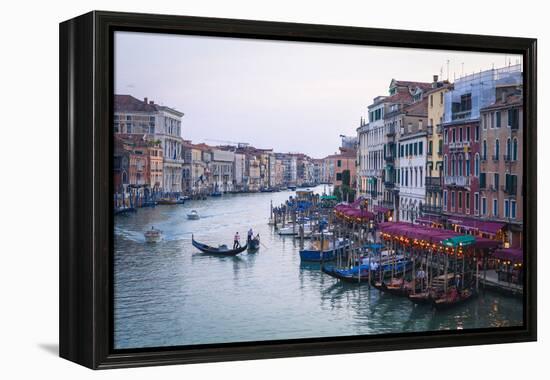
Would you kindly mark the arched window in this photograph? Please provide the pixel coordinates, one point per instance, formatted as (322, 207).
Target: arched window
(460, 165)
(497, 149)
(476, 165)
(515, 150)
(484, 151)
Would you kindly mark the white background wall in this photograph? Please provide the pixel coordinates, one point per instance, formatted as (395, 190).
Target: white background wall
(29, 191)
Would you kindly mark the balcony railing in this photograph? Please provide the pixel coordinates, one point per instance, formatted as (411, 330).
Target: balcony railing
(462, 115)
(507, 158)
(459, 144)
(433, 182)
(430, 209)
(458, 181)
(495, 157)
(384, 203)
(389, 184)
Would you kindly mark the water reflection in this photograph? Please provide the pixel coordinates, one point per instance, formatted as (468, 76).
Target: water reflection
(170, 294)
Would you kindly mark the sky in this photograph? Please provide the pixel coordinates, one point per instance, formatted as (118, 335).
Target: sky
(289, 96)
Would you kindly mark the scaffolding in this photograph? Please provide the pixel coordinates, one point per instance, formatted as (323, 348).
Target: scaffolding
(476, 91)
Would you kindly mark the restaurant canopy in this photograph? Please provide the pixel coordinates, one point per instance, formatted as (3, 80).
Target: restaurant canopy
(353, 211)
(459, 241)
(435, 235)
(487, 227)
(515, 255)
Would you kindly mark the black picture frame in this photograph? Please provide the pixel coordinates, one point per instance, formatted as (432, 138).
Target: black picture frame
(86, 88)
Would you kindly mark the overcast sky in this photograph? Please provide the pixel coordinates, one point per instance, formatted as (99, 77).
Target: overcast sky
(290, 96)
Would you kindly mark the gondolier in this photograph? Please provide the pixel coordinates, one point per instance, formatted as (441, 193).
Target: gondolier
(250, 234)
(236, 241)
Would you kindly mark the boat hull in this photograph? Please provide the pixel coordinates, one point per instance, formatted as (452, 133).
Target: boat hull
(217, 251)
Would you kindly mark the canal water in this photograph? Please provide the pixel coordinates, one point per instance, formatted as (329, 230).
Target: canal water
(168, 293)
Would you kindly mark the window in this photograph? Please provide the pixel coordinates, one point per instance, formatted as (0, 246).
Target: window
(482, 180)
(484, 151)
(440, 98)
(477, 133)
(446, 136)
(498, 117)
(445, 200)
(430, 148)
(468, 134)
(460, 134)
(401, 150)
(468, 169)
(476, 165)
(492, 116)
(339, 163)
(415, 147)
(420, 124)
(467, 200)
(338, 176)
(476, 202)
(445, 167)
(453, 165)
(128, 127)
(484, 121)
(513, 118)
(465, 102)
(515, 150)
(483, 206)
(496, 178)
(511, 184)
(452, 200)
(495, 207)
(406, 178)
(420, 148)
(460, 200)
(506, 208)
(497, 150)
(454, 134)
(513, 209)
(431, 101)
(460, 165)
(440, 147)
(431, 122)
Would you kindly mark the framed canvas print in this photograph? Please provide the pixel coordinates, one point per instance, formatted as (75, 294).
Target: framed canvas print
(237, 189)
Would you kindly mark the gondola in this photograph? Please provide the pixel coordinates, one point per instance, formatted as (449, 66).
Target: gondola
(453, 298)
(253, 245)
(347, 275)
(221, 250)
(422, 298)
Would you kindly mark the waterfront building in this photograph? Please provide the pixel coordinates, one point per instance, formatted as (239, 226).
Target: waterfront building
(345, 161)
(254, 174)
(239, 172)
(432, 207)
(401, 94)
(290, 168)
(501, 176)
(412, 137)
(221, 170)
(160, 123)
(279, 172)
(193, 177)
(463, 204)
(371, 150)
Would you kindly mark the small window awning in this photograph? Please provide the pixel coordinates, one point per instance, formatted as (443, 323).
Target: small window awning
(459, 241)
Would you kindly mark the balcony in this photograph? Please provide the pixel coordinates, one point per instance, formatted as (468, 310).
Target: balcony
(384, 203)
(457, 181)
(389, 158)
(430, 209)
(433, 183)
(389, 184)
(390, 131)
(456, 145)
(510, 190)
(462, 115)
(495, 157)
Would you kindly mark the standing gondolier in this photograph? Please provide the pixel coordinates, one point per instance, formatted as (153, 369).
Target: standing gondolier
(236, 241)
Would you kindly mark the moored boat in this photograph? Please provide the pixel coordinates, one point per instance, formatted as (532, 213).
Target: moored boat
(221, 250)
(327, 252)
(453, 298)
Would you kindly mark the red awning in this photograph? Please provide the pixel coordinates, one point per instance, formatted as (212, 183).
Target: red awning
(515, 255)
(487, 227)
(381, 209)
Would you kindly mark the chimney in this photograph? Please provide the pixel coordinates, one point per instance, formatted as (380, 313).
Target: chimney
(145, 100)
(151, 102)
(436, 78)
